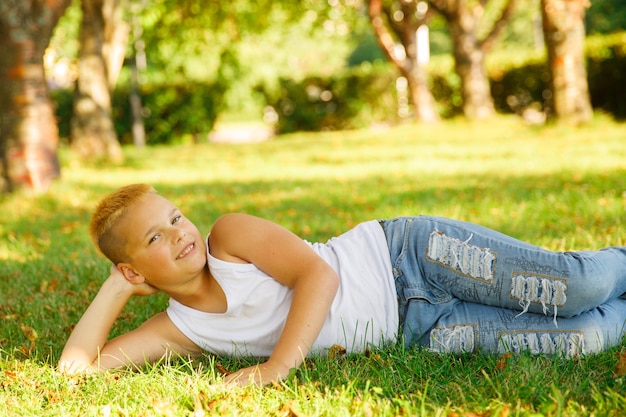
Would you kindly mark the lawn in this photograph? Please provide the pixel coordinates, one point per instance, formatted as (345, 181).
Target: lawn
(559, 187)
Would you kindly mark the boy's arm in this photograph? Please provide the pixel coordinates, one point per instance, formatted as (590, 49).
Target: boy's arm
(87, 347)
(289, 260)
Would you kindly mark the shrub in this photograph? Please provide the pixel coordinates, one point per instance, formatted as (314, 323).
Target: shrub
(520, 87)
(62, 100)
(362, 95)
(353, 98)
(606, 70)
(171, 112)
(528, 83)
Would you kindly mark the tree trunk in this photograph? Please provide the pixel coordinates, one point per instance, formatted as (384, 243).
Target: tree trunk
(564, 33)
(28, 131)
(469, 64)
(93, 134)
(408, 65)
(464, 18)
(116, 32)
(422, 98)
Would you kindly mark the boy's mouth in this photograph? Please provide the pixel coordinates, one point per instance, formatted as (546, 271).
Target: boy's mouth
(185, 251)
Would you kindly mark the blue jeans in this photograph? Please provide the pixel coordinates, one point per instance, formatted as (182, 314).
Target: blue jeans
(464, 287)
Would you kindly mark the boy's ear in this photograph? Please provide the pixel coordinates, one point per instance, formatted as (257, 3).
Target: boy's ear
(130, 273)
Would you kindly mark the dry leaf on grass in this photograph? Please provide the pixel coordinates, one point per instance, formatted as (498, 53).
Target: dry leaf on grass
(29, 332)
(288, 411)
(503, 362)
(336, 351)
(620, 368)
(221, 369)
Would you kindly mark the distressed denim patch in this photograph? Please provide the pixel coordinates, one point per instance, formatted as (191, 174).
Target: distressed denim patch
(461, 256)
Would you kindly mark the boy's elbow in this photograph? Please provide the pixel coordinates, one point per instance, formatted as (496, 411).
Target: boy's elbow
(75, 360)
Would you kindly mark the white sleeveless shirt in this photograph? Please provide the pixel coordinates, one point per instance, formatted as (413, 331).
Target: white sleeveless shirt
(364, 311)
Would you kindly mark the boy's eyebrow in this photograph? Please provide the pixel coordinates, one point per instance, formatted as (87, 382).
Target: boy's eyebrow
(151, 229)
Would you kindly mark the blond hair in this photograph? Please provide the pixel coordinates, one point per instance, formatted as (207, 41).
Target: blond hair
(108, 213)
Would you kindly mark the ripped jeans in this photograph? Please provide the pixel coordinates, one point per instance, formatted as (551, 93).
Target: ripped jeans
(463, 287)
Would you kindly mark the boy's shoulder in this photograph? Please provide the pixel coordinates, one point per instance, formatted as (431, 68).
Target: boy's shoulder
(225, 236)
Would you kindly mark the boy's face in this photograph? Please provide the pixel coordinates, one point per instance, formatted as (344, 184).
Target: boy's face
(163, 245)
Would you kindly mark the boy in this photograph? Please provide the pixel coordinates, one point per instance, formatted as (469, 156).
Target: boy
(254, 288)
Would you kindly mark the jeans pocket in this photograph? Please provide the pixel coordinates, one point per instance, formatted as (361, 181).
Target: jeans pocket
(421, 310)
(431, 295)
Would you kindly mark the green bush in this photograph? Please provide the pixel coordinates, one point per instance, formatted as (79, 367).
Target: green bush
(362, 95)
(171, 112)
(520, 87)
(528, 83)
(446, 91)
(367, 95)
(606, 70)
(62, 100)
(312, 104)
(351, 99)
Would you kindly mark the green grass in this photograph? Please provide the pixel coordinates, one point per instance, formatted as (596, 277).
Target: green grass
(555, 186)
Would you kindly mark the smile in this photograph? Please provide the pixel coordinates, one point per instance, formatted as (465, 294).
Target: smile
(186, 251)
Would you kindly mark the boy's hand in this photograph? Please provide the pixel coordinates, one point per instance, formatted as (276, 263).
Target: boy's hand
(259, 375)
(125, 286)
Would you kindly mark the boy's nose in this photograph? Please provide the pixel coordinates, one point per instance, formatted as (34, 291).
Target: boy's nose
(179, 234)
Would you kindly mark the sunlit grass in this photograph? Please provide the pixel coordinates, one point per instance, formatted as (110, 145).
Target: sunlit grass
(555, 186)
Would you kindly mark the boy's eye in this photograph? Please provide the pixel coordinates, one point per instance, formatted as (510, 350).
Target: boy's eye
(176, 219)
(153, 239)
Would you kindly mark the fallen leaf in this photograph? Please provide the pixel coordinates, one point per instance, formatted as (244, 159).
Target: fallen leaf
(221, 369)
(25, 350)
(29, 332)
(288, 411)
(336, 351)
(504, 412)
(620, 368)
(46, 286)
(503, 362)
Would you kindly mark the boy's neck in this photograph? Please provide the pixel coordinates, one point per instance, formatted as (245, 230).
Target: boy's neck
(206, 296)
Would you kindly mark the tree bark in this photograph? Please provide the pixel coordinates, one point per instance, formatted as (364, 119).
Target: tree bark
(564, 33)
(469, 64)
(463, 18)
(408, 65)
(116, 32)
(93, 133)
(28, 131)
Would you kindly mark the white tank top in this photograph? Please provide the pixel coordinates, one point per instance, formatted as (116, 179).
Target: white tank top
(364, 311)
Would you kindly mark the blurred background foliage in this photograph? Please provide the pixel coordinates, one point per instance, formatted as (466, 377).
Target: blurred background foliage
(317, 66)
